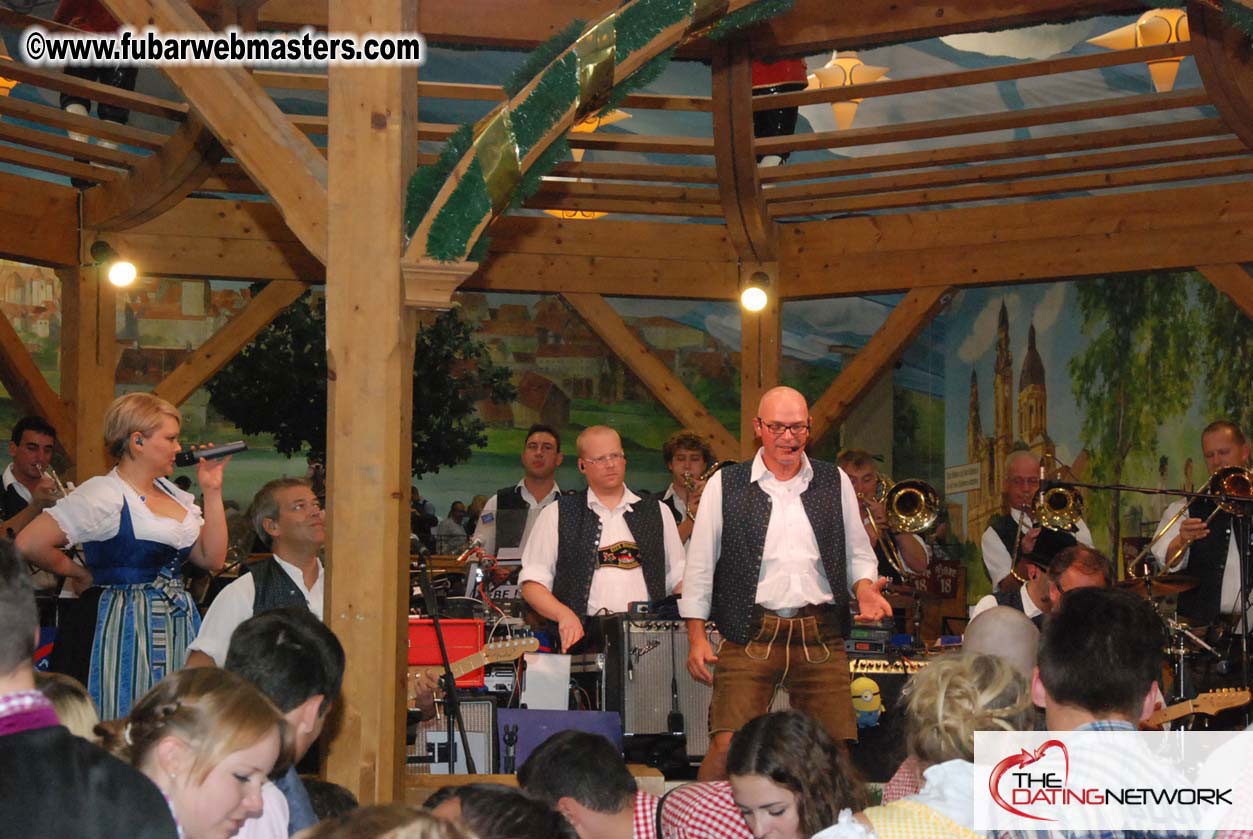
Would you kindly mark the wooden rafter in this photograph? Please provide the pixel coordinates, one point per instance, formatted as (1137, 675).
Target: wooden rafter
(96, 91)
(91, 126)
(27, 386)
(212, 355)
(877, 357)
(1224, 58)
(46, 140)
(751, 231)
(247, 122)
(658, 378)
(40, 221)
(1232, 280)
(58, 165)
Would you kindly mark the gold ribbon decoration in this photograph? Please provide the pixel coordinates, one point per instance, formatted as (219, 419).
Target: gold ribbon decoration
(595, 52)
(705, 13)
(496, 150)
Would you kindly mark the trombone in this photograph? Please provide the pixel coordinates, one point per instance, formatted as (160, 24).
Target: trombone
(911, 506)
(1235, 482)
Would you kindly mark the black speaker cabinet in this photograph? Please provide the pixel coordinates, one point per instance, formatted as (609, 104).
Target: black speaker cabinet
(427, 750)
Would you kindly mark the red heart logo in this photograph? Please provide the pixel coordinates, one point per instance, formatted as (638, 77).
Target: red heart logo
(1024, 758)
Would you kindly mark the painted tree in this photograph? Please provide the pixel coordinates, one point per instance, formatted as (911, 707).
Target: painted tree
(1225, 350)
(1134, 374)
(277, 385)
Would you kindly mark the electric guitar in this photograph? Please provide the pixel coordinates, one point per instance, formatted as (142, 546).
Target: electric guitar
(1207, 703)
(507, 650)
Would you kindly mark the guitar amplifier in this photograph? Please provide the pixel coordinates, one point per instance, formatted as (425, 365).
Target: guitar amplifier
(427, 754)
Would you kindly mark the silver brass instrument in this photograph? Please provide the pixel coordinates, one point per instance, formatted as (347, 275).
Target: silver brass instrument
(49, 472)
(690, 482)
(911, 506)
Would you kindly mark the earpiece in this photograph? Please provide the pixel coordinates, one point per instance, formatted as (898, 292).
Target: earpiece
(139, 441)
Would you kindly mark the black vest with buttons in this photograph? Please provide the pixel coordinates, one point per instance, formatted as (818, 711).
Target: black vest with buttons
(273, 588)
(578, 542)
(746, 512)
(511, 513)
(1207, 561)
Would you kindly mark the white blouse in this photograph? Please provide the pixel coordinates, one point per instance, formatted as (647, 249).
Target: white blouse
(92, 513)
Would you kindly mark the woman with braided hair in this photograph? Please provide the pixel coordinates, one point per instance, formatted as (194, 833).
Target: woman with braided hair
(208, 740)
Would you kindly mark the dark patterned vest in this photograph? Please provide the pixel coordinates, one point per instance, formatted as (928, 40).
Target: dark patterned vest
(1013, 599)
(273, 588)
(1207, 561)
(511, 512)
(746, 512)
(673, 507)
(885, 567)
(1047, 545)
(578, 540)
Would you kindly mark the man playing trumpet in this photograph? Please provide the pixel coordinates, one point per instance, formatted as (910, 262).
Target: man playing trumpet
(863, 472)
(29, 489)
(687, 456)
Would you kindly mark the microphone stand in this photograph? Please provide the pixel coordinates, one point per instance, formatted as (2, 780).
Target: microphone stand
(1240, 529)
(452, 705)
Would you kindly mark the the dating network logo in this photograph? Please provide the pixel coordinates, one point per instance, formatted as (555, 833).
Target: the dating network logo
(1026, 787)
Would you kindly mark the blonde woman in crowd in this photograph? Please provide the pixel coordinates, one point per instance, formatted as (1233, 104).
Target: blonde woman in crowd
(71, 701)
(208, 740)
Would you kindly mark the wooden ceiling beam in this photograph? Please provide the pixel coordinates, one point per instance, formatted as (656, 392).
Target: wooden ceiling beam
(211, 356)
(27, 386)
(40, 221)
(1172, 153)
(963, 78)
(1026, 188)
(554, 190)
(982, 152)
(608, 239)
(656, 376)
(247, 122)
(57, 165)
(59, 144)
(635, 172)
(1232, 280)
(96, 92)
(750, 228)
(101, 129)
(877, 357)
(641, 143)
(979, 123)
(1224, 58)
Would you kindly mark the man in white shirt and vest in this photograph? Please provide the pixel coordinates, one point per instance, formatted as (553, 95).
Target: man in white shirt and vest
(599, 550)
(508, 516)
(777, 549)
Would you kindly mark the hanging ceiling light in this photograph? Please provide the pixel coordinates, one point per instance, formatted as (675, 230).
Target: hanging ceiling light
(121, 272)
(755, 294)
(1153, 28)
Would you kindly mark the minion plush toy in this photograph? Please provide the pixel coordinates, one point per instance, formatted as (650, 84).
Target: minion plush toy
(867, 702)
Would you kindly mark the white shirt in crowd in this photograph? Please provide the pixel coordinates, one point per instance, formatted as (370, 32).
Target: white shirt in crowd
(997, 559)
(791, 573)
(988, 601)
(485, 530)
(233, 606)
(612, 588)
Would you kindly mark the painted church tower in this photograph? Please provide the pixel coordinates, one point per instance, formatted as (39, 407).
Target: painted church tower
(1032, 396)
(1003, 397)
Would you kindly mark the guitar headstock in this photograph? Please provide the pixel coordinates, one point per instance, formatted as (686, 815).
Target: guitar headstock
(1219, 700)
(509, 649)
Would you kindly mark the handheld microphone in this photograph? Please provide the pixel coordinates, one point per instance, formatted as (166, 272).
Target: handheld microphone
(190, 457)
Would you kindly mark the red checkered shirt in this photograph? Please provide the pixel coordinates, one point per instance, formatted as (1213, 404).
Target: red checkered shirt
(907, 781)
(645, 823)
(703, 811)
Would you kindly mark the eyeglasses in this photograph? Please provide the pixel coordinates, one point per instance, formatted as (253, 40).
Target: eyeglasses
(606, 459)
(778, 429)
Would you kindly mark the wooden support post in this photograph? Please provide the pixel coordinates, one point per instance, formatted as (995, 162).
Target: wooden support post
(761, 353)
(659, 379)
(223, 345)
(88, 364)
(370, 345)
(877, 357)
(1232, 280)
(28, 387)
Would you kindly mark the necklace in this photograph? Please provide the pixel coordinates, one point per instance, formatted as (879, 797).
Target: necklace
(142, 497)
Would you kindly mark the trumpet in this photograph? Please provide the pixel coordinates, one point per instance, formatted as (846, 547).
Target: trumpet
(691, 481)
(911, 506)
(49, 472)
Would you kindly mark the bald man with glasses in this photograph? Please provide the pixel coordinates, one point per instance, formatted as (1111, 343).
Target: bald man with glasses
(599, 550)
(777, 556)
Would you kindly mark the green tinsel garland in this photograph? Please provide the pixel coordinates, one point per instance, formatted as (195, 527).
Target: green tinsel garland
(542, 56)
(551, 97)
(555, 92)
(747, 16)
(638, 24)
(428, 180)
(451, 229)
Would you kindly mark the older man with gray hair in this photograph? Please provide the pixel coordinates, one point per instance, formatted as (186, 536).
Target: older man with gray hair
(288, 518)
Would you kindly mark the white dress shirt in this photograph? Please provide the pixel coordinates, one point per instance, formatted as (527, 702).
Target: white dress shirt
(1228, 601)
(997, 559)
(988, 601)
(612, 588)
(233, 606)
(679, 503)
(791, 572)
(485, 528)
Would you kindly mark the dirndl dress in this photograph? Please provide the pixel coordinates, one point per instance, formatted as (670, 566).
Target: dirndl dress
(139, 616)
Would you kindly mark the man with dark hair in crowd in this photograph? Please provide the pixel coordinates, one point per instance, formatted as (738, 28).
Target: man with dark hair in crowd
(687, 456)
(54, 785)
(863, 471)
(599, 550)
(1078, 567)
(1099, 662)
(288, 518)
(1209, 548)
(507, 517)
(1032, 598)
(28, 491)
(295, 660)
(582, 777)
(495, 811)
